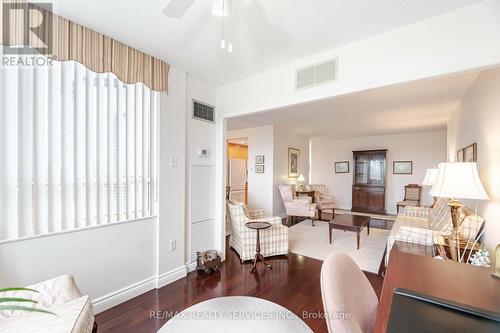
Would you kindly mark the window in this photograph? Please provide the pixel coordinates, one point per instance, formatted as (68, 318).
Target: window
(77, 149)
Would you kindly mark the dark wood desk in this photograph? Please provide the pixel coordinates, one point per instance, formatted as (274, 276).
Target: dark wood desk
(461, 283)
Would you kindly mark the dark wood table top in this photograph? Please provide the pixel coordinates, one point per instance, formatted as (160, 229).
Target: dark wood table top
(258, 225)
(460, 283)
(348, 220)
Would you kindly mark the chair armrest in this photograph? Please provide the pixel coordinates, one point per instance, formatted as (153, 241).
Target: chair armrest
(414, 235)
(416, 211)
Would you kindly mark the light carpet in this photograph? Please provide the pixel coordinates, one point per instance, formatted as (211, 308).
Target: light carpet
(313, 242)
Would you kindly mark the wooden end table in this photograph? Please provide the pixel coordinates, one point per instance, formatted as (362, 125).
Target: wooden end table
(258, 226)
(348, 222)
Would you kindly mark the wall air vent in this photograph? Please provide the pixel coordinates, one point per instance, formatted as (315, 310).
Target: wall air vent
(202, 111)
(315, 75)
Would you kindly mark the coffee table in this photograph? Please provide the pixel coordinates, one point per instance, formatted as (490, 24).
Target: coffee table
(348, 222)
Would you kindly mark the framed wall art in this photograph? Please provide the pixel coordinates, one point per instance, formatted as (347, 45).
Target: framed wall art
(402, 167)
(342, 167)
(293, 162)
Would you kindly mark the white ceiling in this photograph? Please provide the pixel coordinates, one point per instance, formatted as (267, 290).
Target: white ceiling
(267, 35)
(411, 107)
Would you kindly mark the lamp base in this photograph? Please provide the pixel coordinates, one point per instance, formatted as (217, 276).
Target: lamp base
(454, 239)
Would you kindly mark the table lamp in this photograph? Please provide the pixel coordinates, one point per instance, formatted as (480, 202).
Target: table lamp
(300, 183)
(458, 180)
(430, 179)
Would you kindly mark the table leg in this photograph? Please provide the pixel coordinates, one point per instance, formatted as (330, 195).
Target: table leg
(259, 256)
(368, 228)
(358, 235)
(330, 232)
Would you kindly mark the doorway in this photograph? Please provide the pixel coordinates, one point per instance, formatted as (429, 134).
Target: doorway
(237, 166)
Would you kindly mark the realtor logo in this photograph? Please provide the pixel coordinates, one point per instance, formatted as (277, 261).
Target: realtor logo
(27, 29)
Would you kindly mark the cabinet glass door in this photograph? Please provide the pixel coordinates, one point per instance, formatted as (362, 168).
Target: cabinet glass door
(377, 169)
(361, 167)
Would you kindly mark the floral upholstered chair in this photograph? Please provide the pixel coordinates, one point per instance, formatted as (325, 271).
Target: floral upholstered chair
(301, 207)
(273, 241)
(413, 193)
(322, 199)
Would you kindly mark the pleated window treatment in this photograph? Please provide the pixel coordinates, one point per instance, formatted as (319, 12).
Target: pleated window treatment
(72, 41)
(77, 149)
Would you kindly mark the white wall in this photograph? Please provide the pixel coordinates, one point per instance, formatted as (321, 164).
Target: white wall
(426, 150)
(477, 119)
(456, 41)
(283, 138)
(172, 179)
(260, 185)
(272, 142)
(200, 134)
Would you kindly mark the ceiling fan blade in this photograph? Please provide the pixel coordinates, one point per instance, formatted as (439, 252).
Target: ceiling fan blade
(177, 8)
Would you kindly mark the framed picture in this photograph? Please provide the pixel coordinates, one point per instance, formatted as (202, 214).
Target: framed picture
(259, 159)
(342, 167)
(293, 162)
(259, 168)
(402, 167)
(460, 155)
(470, 153)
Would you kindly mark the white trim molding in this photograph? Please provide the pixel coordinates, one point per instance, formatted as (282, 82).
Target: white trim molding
(171, 276)
(119, 296)
(122, 295)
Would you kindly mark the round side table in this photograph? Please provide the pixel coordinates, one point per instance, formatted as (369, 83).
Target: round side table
(258, 226)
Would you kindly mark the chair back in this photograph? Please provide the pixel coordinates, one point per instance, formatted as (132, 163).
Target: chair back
(237, 214)
(287, 192)
(413, 192)
(345, 289)
(318, 188)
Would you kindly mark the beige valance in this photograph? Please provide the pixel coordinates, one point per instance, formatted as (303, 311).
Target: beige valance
(62, 39)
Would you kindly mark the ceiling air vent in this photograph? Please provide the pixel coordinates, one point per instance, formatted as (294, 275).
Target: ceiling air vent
(315, 75)
(202, 111)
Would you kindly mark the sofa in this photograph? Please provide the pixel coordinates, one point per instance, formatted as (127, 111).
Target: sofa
(61, 296)
(273, 241)
(423, 226)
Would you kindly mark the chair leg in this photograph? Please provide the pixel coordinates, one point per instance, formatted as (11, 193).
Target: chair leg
(312, 220)
(319, 214)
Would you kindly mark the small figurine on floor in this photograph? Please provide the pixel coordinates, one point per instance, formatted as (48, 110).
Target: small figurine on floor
(208, 261)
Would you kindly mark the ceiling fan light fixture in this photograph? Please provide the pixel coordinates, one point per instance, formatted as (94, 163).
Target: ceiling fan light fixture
(223, 44)
(230, 48)
(220, 8)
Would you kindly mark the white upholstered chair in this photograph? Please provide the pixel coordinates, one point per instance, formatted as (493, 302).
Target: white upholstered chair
(345, 289)
(61, 296)
(296, 207)
(322, 199)
(273, 241)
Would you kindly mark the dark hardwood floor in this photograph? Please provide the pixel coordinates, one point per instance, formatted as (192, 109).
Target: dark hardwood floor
(293, 282)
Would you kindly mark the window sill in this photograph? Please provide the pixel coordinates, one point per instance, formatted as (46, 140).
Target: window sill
(56, 233)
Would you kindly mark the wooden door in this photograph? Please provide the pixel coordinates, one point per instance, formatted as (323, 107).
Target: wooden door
(376, 202)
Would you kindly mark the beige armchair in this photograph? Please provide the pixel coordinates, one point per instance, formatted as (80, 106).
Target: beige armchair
(274, 240)
(322, 199)
(297, 207)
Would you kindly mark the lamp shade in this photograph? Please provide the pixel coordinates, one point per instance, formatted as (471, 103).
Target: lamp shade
(458, 181)
(430, 177)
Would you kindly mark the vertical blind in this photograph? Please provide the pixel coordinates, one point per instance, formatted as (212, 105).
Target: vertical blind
(77, 149)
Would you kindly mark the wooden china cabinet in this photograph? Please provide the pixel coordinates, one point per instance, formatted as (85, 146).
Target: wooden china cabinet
(368, 189)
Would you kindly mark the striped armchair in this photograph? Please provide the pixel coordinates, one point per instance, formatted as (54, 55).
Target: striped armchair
(423, 226)
(273, 241)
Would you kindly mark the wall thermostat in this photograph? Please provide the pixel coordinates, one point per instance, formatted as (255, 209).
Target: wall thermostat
(203, 152)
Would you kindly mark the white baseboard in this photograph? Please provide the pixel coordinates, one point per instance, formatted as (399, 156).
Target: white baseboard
(122, 295)
(171, 276)
(191, 266)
